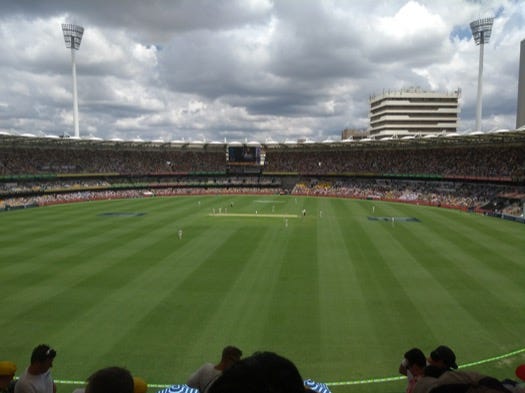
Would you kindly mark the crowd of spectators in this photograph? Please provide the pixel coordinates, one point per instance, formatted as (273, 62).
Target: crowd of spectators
(58, 185)
(81, 196)
(261, 372)
(487, 162)
(460, 195)
(491, 162)
(513, 209)
(15, 187)
(439, 373)
(24, 161)
(462, 177)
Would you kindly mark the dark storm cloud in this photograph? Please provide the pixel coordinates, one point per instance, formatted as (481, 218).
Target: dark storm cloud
(313, 43)
(155, 20)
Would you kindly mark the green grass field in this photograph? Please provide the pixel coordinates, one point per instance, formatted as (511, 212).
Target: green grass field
(341, 295)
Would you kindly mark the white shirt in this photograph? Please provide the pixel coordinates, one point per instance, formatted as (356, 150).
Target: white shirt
(201, 378)
(29, 383)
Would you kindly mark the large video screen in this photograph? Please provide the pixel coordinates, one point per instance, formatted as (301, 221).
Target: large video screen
(244, 154)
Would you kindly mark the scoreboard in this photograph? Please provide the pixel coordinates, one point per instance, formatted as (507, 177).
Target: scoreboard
(244, 159)
(244, 155)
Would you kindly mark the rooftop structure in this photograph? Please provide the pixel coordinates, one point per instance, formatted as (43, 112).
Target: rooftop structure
(413, 112)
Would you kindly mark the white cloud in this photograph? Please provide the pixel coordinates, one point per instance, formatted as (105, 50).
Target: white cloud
(243, 69)
(412, 22)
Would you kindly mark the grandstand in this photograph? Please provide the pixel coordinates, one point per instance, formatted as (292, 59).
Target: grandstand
(484, 173)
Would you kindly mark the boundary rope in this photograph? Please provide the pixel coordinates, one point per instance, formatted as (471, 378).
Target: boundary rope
(343, 383)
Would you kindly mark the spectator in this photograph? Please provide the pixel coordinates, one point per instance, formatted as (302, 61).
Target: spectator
(139, 386)
(413, 366)
(440, 360)
(452, 381)
(208, 373)
(110, 380)
(443, 358)
(263, 372)
(441, 376)
(7, 373)
(37, 377)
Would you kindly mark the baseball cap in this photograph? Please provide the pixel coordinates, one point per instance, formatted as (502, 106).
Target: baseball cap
(446, 355)
(7, 368)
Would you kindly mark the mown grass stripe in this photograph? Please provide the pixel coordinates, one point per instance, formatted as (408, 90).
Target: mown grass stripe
(377, 288)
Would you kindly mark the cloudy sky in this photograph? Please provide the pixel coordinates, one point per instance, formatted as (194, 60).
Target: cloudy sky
(247, 69)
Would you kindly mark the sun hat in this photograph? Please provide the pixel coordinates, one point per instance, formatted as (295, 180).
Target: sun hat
(7, 368)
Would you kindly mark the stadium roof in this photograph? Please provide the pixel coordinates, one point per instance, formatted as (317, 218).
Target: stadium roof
(496, 137)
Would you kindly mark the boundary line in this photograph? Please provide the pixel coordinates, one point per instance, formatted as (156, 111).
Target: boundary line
(252, 215)
(343, 383)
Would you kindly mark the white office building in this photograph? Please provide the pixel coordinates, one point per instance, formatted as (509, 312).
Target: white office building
(413, 112)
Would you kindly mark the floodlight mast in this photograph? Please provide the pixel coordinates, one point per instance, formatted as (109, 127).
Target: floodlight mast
(481, 30)
(72, 37)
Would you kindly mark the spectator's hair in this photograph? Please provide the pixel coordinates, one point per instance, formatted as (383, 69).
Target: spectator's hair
(110, 380)
(434, 371)
(417, 357)
(445, 355)
(231, 353)
(41, 353)
(263, 372)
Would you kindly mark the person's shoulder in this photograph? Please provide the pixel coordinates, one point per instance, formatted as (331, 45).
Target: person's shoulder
(22, 385)
(206, 367)
(460, 377)
(22, 380)
(423, 384)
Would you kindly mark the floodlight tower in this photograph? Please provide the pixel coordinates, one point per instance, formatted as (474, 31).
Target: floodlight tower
(520, 115)
(481, 30)
(72, 37)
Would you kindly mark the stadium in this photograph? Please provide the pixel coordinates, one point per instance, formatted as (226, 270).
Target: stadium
(338, 255)
(149, 258)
